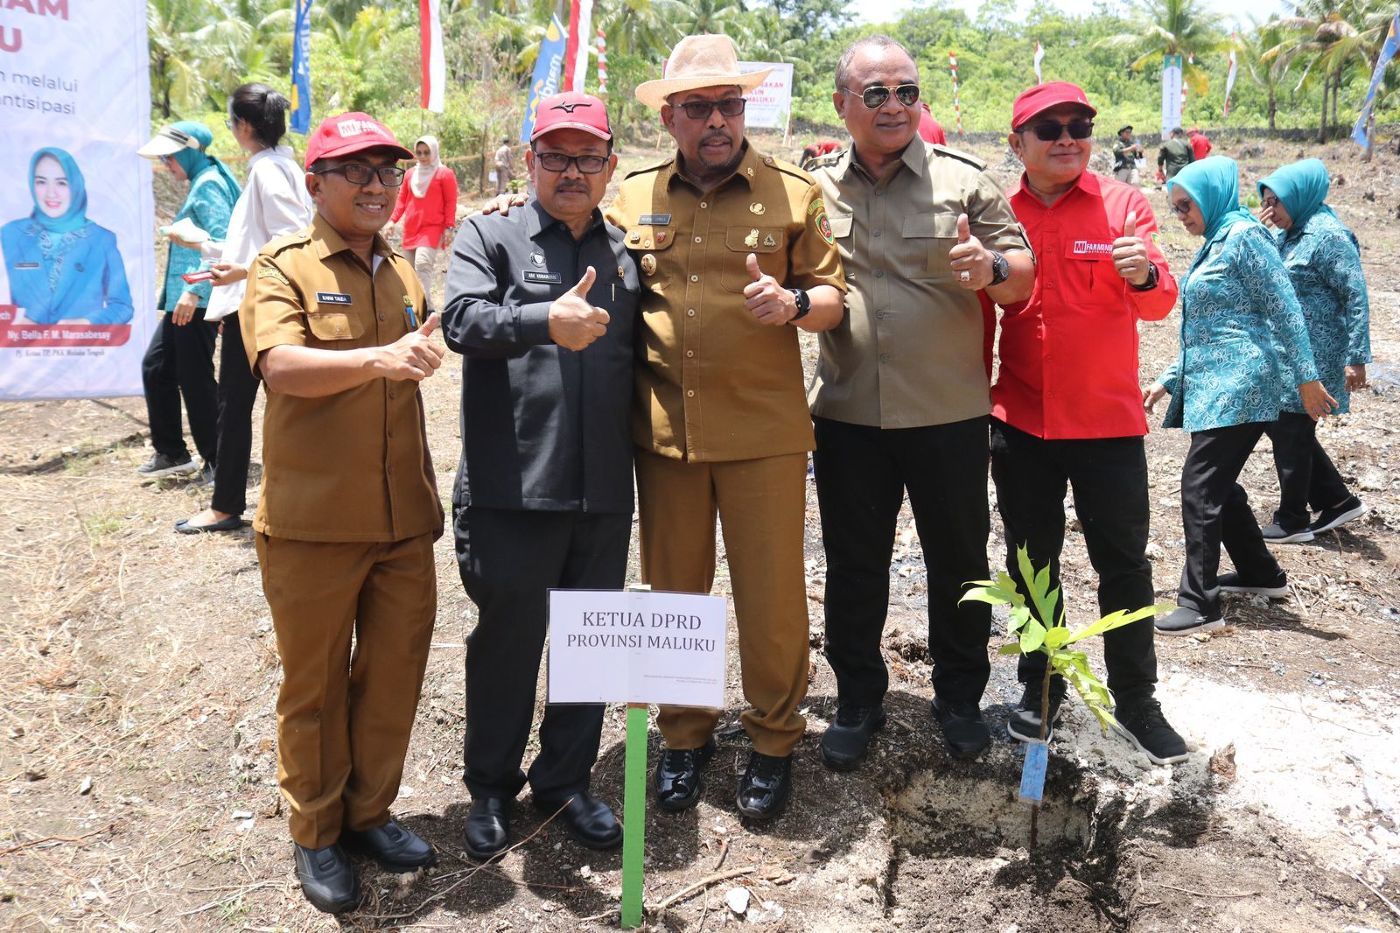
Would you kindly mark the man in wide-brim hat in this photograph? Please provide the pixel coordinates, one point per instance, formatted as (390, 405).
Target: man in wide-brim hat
(734, 246)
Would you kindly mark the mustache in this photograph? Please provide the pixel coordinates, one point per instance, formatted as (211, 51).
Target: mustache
(572, 186)
(722, 134)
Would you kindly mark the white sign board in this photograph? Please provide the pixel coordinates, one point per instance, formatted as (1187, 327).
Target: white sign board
(610, 646)
(770, 103)
(77, 278)
(1171, 94)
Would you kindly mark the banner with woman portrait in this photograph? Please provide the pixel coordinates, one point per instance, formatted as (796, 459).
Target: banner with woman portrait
(77, 262)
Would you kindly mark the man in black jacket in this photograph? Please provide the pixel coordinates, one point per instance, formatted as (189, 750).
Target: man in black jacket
(541, 305)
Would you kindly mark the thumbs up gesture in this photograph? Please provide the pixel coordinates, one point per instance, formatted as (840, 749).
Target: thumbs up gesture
(415, 356)
(1130, 253)
(970, 260)
(573, 322)
(766, 300)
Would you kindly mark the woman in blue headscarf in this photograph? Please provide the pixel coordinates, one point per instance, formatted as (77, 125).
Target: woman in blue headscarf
(180, 360)
(62, 266)
(1324, 264)
(1244, 346)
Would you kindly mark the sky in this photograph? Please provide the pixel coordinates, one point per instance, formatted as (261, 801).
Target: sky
(1232, 10)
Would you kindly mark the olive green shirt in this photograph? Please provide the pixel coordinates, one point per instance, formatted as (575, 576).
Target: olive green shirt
(910, 351)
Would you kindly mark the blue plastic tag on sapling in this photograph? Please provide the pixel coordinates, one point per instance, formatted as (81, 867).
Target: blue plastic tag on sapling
(1033, 772)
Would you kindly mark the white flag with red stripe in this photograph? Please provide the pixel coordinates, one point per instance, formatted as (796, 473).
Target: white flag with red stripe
(434, 64)
(1230, 80)
(1039, 57)
(576, 52)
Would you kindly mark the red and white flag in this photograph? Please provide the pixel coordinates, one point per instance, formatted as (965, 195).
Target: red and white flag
(576, 51)
(434, 65)
(1230, 79)
(1039, 56)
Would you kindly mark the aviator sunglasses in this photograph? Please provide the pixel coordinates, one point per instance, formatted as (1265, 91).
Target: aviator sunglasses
(1050, 131)
(701, 109)
(874, 97)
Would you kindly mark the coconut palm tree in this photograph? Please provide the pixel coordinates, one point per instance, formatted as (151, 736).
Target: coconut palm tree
(1257, 52)
(1329, 38)
(1172, 27)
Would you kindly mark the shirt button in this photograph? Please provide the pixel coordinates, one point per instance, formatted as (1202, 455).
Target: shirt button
(884, 357)
(880, 315)
(690, 393)
(697, 239)
(690, 312)
(875, 233)
(695, 278)
(381, 315)
(689, 353)
(704, 204)
(879, 273)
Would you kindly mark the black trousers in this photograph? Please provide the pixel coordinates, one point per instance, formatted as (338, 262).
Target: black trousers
(508, 560)
(1215, 510)
(862, 473)
(180, 362)
(1308, 481)
(238, 390)
(1108, 478)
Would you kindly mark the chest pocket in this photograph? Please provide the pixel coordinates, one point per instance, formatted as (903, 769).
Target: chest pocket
(768, 244)
(651, 245)
(332, 327)
(1093, 274)
(924, 244)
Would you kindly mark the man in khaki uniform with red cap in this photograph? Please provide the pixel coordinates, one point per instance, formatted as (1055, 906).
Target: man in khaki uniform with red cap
(349, 511)
(736, 254)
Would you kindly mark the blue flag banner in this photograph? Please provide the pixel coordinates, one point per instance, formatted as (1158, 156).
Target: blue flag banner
(301, 69)
(545, 81)
(1392, 43)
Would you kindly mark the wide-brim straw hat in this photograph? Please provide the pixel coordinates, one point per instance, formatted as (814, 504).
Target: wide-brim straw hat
(696, 62)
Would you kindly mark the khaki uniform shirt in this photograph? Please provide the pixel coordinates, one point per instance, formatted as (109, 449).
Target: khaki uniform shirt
(910, 351)
(353, 466)
(712, 382)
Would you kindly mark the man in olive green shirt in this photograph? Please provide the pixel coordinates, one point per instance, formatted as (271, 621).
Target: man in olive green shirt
(901, 398)
(1176, 153)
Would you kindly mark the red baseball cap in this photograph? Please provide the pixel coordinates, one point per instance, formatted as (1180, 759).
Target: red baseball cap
(348, 133)
(1042, 97)
(572, 111)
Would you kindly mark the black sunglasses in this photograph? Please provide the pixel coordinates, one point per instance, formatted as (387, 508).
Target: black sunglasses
(874, 97)
(357, 173)
(559, 162)
(1050, 131)
(701, 109)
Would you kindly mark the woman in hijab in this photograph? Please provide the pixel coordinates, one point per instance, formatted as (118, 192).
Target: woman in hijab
(428, 207)
(1321, 256)
(62, 266)
(1244, 346)
(180, 360)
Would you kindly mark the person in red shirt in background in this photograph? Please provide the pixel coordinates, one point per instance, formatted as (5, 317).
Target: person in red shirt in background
(816, 149)
(1067, 407)
(1200, 144)
(929, 130)
(427, 205)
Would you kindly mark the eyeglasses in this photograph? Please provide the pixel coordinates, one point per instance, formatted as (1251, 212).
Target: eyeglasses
(559, 162)
(701, 109)
(874, 97)
(1182, 207)
(357, 173)
(1269, 200)
(1050, 131)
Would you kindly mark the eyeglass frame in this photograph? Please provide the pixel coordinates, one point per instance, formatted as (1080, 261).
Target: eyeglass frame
(1181, 208)
(889, 90)
(395, 172)
(690, 106)
(1061, 129)
(1269, 200)
(575, 161)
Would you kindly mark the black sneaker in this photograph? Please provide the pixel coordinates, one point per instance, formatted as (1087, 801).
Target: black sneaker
(1183, 620)
(1277, 534)
(1230, 583)
(846, 739)
(1328, 519)
(161, 465)
(764, 786)
(963, 728)
(1143, 724)
(1024, 724)
(677, 779)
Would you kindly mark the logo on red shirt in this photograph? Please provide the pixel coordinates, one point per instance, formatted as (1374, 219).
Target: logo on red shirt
(1090, 248)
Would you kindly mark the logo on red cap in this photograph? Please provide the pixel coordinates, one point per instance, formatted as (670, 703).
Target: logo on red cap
(348, 133)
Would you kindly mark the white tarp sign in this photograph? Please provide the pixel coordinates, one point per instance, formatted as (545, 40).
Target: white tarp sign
(1171, 94)
(770, 103)
(609, 646)
(76, 206)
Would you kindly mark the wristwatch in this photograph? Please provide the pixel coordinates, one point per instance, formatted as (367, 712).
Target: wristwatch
(804, 303)
(1151, 282)
(1001, 269)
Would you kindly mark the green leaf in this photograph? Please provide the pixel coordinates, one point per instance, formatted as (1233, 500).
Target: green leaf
(1114, 620)
(1013, 648)
(1032, 636)
(1037, 583)
(1055, 637)
(1017, 620)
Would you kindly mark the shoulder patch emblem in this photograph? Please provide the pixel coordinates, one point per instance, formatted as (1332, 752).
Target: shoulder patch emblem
(824, 228)
(818, 206)
(272, 272)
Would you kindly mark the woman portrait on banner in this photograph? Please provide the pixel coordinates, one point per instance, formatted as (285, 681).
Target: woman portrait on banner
(179, 362)
(1323, 262)
(427, 206)
(274, 202)
(62, 266)
(1244, 349)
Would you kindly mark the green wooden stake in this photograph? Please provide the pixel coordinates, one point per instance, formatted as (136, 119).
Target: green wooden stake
(634, 816)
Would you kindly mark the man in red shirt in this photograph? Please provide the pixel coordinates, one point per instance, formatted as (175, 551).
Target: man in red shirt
(1067, 408)
(929, 129)
(1200, 143)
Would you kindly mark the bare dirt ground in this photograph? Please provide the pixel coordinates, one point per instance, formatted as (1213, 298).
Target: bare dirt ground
(137, 758)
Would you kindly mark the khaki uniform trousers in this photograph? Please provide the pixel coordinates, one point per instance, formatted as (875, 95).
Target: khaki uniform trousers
(761, 506)
(343, 716)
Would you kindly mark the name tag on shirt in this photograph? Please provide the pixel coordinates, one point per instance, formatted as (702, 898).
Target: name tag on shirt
(656, 220)
(552, 278)
(26, 265)
(333, 298)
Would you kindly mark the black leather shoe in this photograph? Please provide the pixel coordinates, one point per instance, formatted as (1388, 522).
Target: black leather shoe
(963, 728)
(488, 827)
(396, 849)
(764, 786)
(590, 821)
(677, 780)
(327, 879)
(846, 739)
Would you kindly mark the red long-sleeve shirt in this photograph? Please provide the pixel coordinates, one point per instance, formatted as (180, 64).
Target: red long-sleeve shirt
(427, 217)
(1069, 355)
